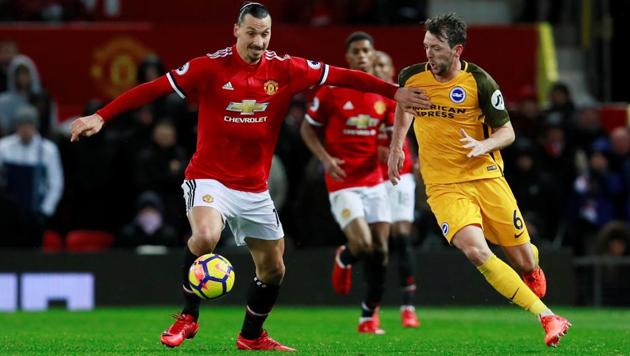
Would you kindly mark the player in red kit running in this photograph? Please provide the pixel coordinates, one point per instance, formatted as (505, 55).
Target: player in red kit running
(243, 92)
(402, 204)
(350, 120)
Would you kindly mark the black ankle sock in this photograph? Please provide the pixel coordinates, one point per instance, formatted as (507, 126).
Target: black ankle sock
(347, 257)
(261, 298)
(401, 245)
(375, 277)
(367, 311)
(191, 300)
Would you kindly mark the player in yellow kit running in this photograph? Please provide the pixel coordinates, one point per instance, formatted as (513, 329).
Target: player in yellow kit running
(459, 138)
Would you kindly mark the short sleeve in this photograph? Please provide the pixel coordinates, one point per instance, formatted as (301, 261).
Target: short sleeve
(187, 79)
(491, 100)
(306, 73)
(315, 114)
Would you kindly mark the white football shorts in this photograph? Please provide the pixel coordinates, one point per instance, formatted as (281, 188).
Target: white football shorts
(402, 198)
(370, 203)
(248, 214)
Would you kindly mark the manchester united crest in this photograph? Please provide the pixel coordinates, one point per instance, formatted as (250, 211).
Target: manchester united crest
(271, 87)
(380, 107)
(207, 198)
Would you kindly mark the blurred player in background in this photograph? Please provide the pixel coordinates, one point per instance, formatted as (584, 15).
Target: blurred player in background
(460, 137)
(402, 204)
(243, 92)
(349, 120)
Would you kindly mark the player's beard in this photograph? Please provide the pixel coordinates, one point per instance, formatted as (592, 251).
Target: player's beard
(256, 52)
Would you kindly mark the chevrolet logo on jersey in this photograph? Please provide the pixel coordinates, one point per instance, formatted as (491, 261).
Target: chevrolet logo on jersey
(362, 121)
(247, 107)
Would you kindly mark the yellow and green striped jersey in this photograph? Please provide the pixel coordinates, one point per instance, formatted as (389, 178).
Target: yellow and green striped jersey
(471, 101)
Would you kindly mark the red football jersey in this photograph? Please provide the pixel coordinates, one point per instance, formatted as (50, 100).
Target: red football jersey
(410, 159)
(241, 109)
(351, 120)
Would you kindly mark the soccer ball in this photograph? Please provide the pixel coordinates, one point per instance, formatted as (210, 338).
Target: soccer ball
(211, 276)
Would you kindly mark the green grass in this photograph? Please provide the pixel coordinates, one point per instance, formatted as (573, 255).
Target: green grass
(323, 331)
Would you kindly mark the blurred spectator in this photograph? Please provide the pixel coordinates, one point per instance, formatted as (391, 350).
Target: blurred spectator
(148, 226)
(160, 167)
(149, 69)
(24, 87)
(293, 153)
(33, 174)
(620, 164)
(614, 241)
(49, 10)
(596, 193)
(90, 198)
(561, 109)
(587, 128)
(538, 11)
(8, 50)
(536, 192)
(527, 116)
(278, 183)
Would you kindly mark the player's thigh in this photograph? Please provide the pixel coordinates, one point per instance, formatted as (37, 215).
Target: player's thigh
(256, 217)
(346, 206)
(402, 199)
(453, 208)
(502, 219)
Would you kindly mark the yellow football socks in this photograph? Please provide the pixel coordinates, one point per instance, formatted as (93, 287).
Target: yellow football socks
(535, 251)
(505, 280)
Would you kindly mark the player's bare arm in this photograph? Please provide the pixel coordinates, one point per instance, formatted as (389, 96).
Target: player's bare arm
(409, 99)
(396, 159)
(86, 126)
(332, 165)
(502, 137)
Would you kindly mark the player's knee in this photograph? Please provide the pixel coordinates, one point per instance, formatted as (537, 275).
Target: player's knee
(204, 237)
(273, 273)
(362, 247)
(477, 255)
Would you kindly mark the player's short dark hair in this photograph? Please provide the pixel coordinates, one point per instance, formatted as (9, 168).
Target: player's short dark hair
(255, 9)
(358, 36)
(449, 27)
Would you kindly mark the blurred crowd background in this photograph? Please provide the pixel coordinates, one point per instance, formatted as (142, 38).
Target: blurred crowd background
(569, 172)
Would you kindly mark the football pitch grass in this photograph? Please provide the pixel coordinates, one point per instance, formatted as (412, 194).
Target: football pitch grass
(315, 330)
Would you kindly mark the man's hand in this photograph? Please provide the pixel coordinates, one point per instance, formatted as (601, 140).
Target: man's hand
(395, 164)
(332, 166)
(411, 99)
(85, 126)
(478, 148)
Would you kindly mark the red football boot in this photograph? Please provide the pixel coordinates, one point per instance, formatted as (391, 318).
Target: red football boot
(341, 275)
(555, 327)
(376, 319)
(408, 317)
(369, 327)
(536, 281)
(184, 327)
(262, 343)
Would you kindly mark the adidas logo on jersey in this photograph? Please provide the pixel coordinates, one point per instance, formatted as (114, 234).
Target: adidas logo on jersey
(348, 105)
(228, 86)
